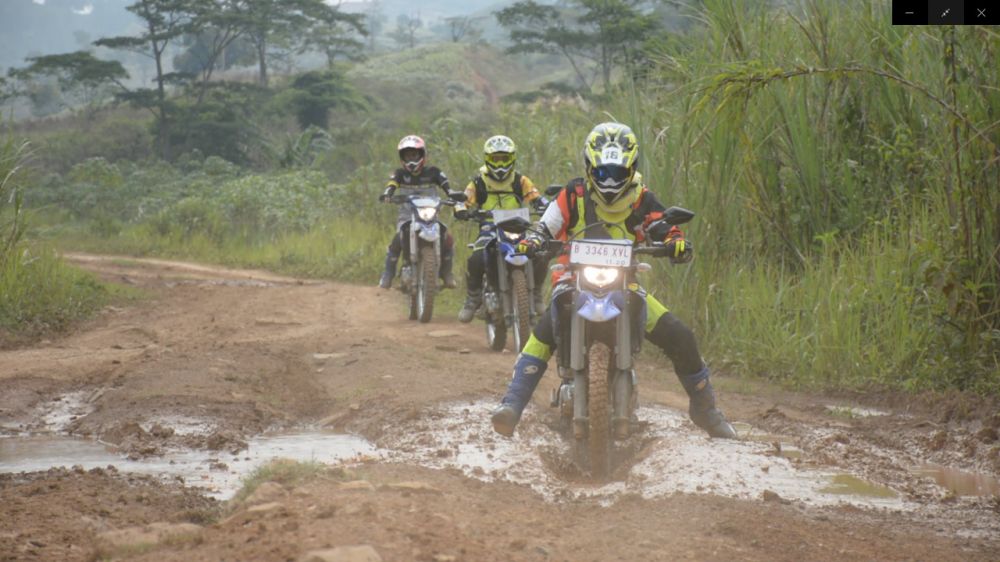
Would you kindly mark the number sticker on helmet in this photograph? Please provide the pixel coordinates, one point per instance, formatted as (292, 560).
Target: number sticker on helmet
(612, 155)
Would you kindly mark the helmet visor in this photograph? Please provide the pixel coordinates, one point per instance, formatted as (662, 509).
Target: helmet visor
(610, 177)
(501, 159)
(411, 154)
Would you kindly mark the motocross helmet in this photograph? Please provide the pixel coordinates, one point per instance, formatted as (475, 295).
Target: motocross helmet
(611, 155)
(499, 153)
(412, 153)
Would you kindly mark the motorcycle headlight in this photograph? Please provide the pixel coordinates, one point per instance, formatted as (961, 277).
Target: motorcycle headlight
(600, 276)
(512, 235)
(427, 214)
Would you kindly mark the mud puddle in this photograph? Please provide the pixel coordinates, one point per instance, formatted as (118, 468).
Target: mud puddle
(669, 456)
(219, 474)
(961, 482)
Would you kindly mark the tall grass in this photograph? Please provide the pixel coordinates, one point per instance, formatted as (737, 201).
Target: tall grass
(38, 293)
(845, 172)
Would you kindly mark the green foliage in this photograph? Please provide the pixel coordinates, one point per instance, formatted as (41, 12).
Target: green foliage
(222, 121)
(79, 72)
(608, 32)
(13, 157)
(39, 293)
(115, 137)
(842, 241)
(312, 95)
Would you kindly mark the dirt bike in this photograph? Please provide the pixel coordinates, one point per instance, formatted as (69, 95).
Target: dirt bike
(600, 325)
(422, 250)
(508, 296)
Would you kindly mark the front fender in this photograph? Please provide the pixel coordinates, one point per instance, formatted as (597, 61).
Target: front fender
(599, 309)
(429, 232)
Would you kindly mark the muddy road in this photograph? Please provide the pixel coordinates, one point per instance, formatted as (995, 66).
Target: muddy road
(128, 439)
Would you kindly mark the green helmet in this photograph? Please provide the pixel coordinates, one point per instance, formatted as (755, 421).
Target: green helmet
(499, 153)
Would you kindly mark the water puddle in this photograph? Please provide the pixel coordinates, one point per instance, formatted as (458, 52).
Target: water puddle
(960, 482)
(676, 458)
(219, 474)
(848, 484)
(782, 443)
(854, 411)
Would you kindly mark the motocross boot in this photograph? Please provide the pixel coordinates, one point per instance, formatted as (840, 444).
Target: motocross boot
(473, 300)
(527, 372)
(702, 409)
(389, 272)
(447, 277)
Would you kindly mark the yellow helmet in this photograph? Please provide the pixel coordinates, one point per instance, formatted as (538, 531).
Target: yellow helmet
(611, 155)
(499, 153)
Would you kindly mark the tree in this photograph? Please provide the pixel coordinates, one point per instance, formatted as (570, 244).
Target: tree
(290, 21)
(599, 33)
(337, 39)
(406, 29)
(459, 27)
(374, 22)
(215, 26)
(78, 73)
(314, 94)
(164, 21)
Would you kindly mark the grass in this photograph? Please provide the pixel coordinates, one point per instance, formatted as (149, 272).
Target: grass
(41, 294)
(286, 472)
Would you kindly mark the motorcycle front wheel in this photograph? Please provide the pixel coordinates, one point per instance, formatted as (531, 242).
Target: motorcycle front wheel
(522, 308)
(599, 411)
(427, 280)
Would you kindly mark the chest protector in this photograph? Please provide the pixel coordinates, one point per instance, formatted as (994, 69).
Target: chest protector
(488, 200)
(582, 206)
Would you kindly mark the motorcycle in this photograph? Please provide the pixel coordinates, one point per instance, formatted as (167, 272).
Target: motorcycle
(422, 250)
(600, 318)
(508, 296)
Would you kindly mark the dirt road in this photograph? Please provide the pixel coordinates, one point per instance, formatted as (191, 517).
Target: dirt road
(186, 387)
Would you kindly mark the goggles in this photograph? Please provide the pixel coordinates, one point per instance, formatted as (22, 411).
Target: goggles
(610, 176)
(500, 158)
(411, 154)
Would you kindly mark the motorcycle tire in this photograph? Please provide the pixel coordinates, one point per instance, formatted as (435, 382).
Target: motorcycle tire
(428, 275)
(599, 411)
(522, 308)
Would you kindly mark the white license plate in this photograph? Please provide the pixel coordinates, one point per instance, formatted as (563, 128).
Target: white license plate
(606, 253)
(501, 215)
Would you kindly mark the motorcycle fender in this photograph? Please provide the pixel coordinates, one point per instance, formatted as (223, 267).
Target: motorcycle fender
(430, 232)
(599, 309)
(517, 260)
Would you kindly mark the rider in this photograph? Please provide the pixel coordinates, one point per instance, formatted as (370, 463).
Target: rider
(613, 194)
(497, 186)
(415, 178)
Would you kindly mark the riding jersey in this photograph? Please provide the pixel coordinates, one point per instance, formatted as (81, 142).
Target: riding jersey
(425, 183)
(570, 214)
(511, 193)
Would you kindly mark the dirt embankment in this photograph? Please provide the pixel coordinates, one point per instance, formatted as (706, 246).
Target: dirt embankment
(217, 356)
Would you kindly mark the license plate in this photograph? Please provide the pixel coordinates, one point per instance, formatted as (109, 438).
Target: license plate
(503, 215)
(606, 253)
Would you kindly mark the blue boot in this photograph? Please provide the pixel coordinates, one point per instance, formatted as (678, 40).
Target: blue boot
(389, 272)
(527, 372)
(702, 409)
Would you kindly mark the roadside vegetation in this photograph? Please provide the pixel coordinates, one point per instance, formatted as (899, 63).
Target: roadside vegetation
(844, 173)
(38, 292)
